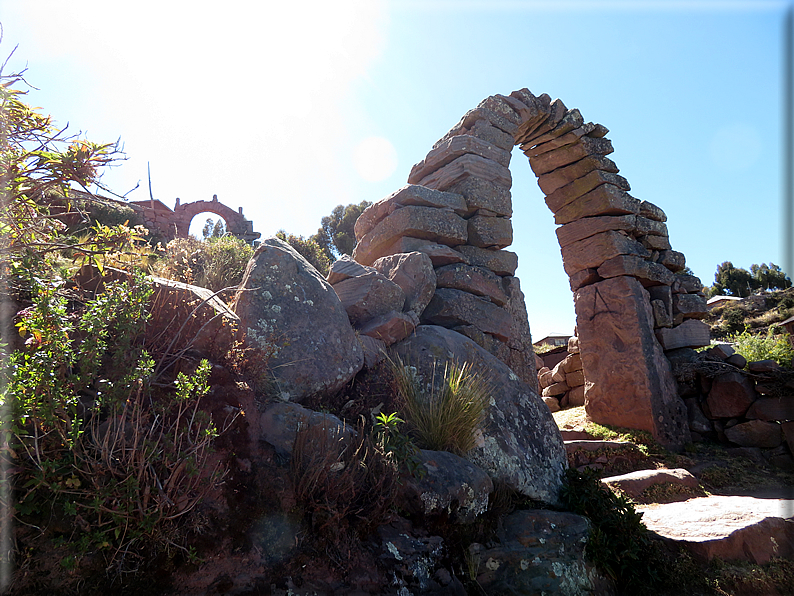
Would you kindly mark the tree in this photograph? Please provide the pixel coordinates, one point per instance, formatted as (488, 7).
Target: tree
(732, 281)
(770, 277)
(213, 229)
(336, 236)
(308, 249)
(735, 281)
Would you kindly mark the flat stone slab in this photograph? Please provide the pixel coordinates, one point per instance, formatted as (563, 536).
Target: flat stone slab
(728, 527)
(634, 483)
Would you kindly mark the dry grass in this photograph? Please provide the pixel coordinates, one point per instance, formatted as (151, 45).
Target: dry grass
(446, 413)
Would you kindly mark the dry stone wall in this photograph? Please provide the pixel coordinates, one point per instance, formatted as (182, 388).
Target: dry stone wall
(631, 298)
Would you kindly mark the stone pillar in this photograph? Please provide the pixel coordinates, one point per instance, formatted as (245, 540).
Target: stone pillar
(628, 381)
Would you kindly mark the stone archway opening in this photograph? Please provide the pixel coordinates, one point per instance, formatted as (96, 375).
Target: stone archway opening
(199, 221)
(634, 305)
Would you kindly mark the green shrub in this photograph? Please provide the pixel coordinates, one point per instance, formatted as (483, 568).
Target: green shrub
(446, 416)
(619, 544)
(90, 441)
(215, 263)
(772, 346)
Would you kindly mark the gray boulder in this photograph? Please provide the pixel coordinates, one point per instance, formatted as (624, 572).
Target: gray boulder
(520, 444)
(413, 272)
(291, 315)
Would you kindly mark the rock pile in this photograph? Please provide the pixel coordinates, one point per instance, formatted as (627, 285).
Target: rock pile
(752, 409)
(563, 386)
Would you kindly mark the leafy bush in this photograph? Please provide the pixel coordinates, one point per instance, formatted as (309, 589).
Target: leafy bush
(619, 544)
(396, 445)
(308, 249)
(90, 441)
(215, 263)
(446, 416)
(773, 346)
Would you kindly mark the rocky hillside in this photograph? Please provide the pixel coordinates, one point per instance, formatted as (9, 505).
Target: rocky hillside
(757, 313)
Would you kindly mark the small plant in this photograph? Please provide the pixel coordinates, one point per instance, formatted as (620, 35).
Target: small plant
(772, 346)
(398, 446)
(445, 414)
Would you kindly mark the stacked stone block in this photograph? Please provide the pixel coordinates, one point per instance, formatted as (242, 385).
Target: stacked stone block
(563, 385)
(749, 406)
(632, 302)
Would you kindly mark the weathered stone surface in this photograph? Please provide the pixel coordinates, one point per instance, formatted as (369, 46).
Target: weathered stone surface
(576, 396)
(556, 111)
(731, 395)
(480, 193)
(755, 433)
(369, 296)
(409, 195)
(629, 382)
(391, 327)
(687, 284)
(439, 254)
(520, 443)
(590, 226)
(345, 268)
(547, 162)
(575, 378)
(697, 420)
(692, 306)
(552, 402)
(289, 311)
(573, 190)
(451, 308)
(555, 389)
(374, 350)
(649, 227)
(490, 232)
(728, 527)
(772, 408)
(560, 177)
(451, 485)
(763, 366)
(583, 278)
(572, 120)
(482, 129)
(188, 316)
(607, 199)
(439, 225)
(673, 260)
(501, 262)
(573, 345)
(634, 483)
(411, 558)
(414, 273)
(280, 422)
(651, 211)
(689, 334)
(453, 148)
(737, 360)
(539, 552)
(655, 242)
(592, 252)
(475, 280)
(533, 148)
(521, 359)
(647, 273)
(468, 166)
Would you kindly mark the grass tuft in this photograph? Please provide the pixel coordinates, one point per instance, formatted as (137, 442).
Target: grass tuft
(446, 413)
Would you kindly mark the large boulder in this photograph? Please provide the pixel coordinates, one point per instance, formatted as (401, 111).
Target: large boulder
(290, 314)
(520, 443)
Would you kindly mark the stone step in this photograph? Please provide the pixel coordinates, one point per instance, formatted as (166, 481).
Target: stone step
(635, 483)
(576, 434)
(728, 527)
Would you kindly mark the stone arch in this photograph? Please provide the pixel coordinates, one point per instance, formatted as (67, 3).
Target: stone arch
(236, 224)
(633, 304)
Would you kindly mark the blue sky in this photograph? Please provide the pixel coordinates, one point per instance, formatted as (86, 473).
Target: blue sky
(288, 111)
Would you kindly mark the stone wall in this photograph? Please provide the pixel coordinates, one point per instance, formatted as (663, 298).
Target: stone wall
(632, 301)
